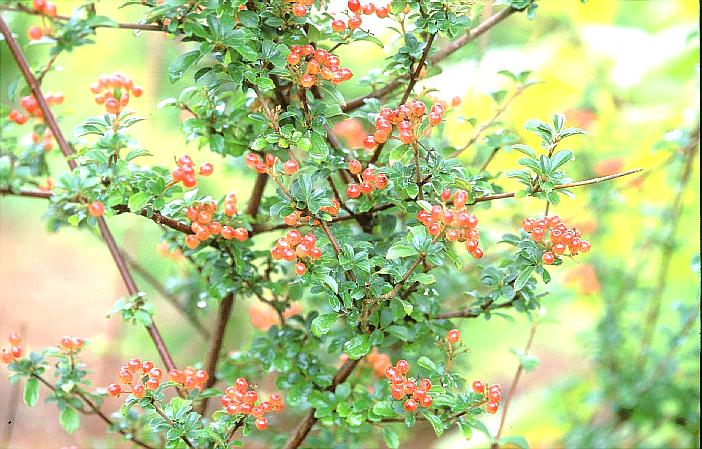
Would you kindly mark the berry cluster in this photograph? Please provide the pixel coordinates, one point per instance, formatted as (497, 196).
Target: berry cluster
(185, 171)
(355, 20)
(32, 109)
(242, 400)
(369, 180)
(147, 377)
(294, 246)
(203, 225)
(408, 118)
(456, 222)
(493, 395)
(555, 237)
(46, 139)
(15, 351)
(379, 361)
(189, 377)
(255, 162)
(45, 7)
(401, 386)
(113, 91)
(299, 9)
(318, 64)
(71, 345)
(297, 218)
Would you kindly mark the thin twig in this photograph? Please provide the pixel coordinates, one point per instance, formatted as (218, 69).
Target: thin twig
(513, 389)
(485, 126)
(96, 411)
(171, 299)
(50, 121)
(127, 26)
(673, 216)
(440, 55)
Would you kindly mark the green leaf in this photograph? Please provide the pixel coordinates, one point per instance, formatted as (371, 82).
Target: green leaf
(323, 324)
(69, 419)
(466, 430)
(399, 250)
(518, 441)
(383, 409)
(435, 422)
(560, 158)
(426, 363)
(400, 332)
(137, 201)
(391, 437)
(523, 277)
(31, 392)
(181, 64)
(358, 346)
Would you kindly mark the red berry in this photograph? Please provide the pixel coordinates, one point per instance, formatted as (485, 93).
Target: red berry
(134, 365)
(191, 241)
(354, 5)
(299, 10)
(14, 339)
(338, 26)
(96, 209)
(114, 390)
(548, 258)
(382, 12)
(355, 167)
(426, 401)
(241, 385)
(261, 423)
(138, 391)
(291, 167)
(5, 356)
(478, 386)
(425, 384)
(146, 366)
(453, 335)
(410, 405)
(156, 373)
(34, 33)
(241, 234)
(402, 366)
(206, 169)
(353, 190)
(495, 396)
(300, 268)
(355, 22)
(434, 118)
(152, 383)
(368, 9)
(491, 407)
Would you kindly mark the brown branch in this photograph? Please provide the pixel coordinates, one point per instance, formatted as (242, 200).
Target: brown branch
(513, 389)
(96, 410)
(50, 121)
(420, 65)
(303, 427)
(127, 26)
(257, 194)
(440, 55)
(215, 345)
